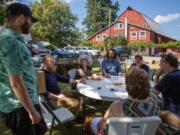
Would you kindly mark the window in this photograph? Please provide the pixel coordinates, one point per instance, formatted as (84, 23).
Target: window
(134, 34)
(98, 37)
(104, 36)
(142, 34)
(118, 34)
(119, 26)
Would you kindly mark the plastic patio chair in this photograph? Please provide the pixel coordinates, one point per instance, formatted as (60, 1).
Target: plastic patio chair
(52, 116)
(133, 125)
(72, 73)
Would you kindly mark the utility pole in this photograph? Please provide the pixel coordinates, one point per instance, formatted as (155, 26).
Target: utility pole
(109, 27)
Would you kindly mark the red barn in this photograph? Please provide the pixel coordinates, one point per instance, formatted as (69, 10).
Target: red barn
(133, 25)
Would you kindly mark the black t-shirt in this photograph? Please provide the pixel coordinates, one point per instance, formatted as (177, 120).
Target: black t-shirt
(143, 66)
(52, 79)
(169, 86)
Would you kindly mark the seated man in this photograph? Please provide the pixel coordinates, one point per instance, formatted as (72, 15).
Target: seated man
(111, 65)
(169, 85)
(140, 64)
(67, 98)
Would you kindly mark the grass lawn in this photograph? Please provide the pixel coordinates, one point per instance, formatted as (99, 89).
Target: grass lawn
(77, 127)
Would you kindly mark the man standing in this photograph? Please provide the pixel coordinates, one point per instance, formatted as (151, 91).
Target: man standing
(169, 85)
(18, 88)
(140, 64)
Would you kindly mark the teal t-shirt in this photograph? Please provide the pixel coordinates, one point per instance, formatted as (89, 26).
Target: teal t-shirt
(15, 60)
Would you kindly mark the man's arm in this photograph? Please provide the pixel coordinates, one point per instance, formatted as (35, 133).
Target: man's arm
(104, 69)
(62, 78)
(20, 91)
(119, 68)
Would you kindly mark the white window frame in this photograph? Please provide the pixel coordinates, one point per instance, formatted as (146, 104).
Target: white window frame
(103, 36)
(140, 36)
(133, 37)
(116, 34)
(117, 25)
(98, 39)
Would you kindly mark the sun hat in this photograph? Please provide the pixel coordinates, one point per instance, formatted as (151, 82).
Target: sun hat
(86, 57)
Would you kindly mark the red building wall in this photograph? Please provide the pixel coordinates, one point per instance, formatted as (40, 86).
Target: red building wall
(138, 39)
(135, 19)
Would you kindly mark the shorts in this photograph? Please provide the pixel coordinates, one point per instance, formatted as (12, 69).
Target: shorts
(20, 123)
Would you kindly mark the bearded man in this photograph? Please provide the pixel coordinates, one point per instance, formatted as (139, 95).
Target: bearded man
(18, 84)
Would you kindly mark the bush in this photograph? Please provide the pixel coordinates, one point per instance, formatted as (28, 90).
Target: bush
(115, 41)
(51, 47)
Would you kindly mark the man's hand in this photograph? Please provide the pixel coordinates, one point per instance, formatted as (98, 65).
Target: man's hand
(20, 91)
(83, 80)
(61, 96)
(35, 117)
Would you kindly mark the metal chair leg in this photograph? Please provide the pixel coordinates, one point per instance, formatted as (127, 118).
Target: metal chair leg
(52, 124)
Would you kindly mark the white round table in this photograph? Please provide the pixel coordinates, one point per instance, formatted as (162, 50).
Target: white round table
(104, 89)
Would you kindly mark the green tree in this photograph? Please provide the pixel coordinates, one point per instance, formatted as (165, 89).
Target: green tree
(98, 14)
(170, 44)
(115, 41)
(56, 23)
(139, 45)
(1, 2)
(2, 14)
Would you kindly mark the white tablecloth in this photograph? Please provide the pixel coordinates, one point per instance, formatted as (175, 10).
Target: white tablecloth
(104, 89)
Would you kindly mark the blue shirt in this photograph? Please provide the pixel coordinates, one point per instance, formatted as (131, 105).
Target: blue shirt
(111, 67)
(52, 79)
(169, 86)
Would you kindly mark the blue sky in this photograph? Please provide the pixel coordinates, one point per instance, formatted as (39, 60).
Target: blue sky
(165, 12)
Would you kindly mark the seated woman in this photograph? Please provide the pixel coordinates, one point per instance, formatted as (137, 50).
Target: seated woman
(84, 70)
(111, 64)
(141, 103)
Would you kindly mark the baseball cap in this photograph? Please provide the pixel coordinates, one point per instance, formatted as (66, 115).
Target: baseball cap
(16, 9)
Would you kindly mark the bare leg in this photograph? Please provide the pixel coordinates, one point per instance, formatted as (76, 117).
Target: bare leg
(115, 110)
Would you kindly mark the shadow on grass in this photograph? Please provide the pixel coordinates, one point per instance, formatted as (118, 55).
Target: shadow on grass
(77, 127)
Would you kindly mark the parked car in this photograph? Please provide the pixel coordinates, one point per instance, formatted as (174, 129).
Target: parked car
(33, 50)
(93, 52)
(72, 50)
(61, 53)
(81, 51)
(42, 50)
(123, 51)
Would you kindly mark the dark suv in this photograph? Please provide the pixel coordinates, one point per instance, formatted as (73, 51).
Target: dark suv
(123, 51)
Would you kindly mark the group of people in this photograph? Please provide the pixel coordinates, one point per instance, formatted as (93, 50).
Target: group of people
(18, 84)
(142, 100)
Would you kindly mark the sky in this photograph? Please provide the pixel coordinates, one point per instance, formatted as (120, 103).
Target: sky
(165, 12)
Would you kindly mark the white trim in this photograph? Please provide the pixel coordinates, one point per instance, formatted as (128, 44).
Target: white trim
(133, 37)
(103, 36)
(118, 26)
(140, 36)
(118, 34)
(98, 39)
